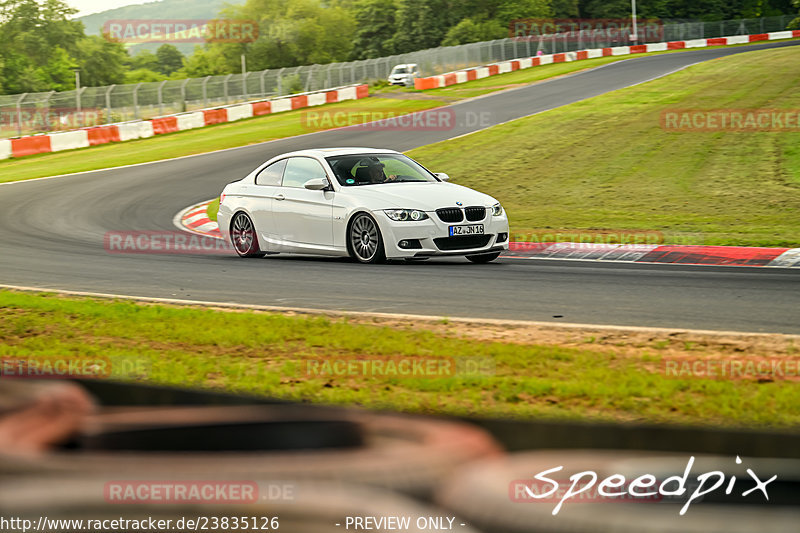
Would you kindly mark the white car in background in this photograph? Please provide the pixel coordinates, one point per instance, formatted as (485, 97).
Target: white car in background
(364, 203)
(404, 74)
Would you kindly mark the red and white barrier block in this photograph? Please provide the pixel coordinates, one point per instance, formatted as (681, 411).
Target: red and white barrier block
(462, 76)
(142, 129)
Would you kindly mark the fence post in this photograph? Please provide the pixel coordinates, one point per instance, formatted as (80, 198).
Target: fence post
(244, 85)
(19, 113)
(280, 81)
(184, 106)
(108, 103)
(308, 78)
(81, 115)
(225, 86)
(160, 99)
(263, 84)
(136, 100)
(205, 93)
(47, 112)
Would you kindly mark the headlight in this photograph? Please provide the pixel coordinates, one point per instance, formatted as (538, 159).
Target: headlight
(402, 215)
(497, 210)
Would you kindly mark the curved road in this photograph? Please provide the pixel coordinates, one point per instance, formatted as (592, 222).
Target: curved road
(51, 236)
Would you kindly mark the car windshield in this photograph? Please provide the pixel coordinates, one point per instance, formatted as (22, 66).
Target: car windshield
(373, 169)
(399, 70)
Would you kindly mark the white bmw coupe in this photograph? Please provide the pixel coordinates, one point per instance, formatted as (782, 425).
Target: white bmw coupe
(369, 204)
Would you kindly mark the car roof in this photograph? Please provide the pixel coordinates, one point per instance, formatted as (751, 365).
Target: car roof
(328, 152)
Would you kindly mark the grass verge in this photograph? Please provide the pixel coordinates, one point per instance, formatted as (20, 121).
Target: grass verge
(606, 163)
(577, 375)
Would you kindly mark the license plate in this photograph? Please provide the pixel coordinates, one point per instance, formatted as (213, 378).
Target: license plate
(474, 229)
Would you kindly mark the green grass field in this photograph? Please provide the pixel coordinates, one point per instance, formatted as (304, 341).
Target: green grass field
(606, 163)
(268, 354)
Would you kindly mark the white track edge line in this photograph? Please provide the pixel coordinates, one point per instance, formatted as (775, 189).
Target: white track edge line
(394, 316)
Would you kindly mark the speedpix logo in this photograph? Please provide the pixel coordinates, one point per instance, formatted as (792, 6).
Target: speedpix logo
(643, 488)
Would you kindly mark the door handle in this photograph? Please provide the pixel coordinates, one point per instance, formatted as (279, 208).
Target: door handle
(280, 197)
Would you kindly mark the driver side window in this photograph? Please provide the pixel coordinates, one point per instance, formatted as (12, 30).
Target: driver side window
(301, 169)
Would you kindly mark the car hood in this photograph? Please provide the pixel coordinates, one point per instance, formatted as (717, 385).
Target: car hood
(427, 196)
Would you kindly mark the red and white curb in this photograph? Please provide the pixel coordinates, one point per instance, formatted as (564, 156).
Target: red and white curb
(476, 73)
(195, 220)
(141, 129)
(659, 253)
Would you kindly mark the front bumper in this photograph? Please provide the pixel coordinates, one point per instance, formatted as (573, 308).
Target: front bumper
(406, 82)
(434, 239)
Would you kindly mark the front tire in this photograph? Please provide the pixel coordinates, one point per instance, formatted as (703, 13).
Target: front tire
(364, 240)
(243, 236)
(483, 258)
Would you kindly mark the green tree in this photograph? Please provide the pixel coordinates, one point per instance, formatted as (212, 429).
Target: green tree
(420, 24)
(375, 25)
(470, 31)
(140, 75)
(291, 33)
(40, 43)
(169, 58)
(143, 59)
(102, 62)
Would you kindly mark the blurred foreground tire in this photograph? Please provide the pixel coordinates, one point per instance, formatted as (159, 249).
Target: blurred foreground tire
(488, 495)
(315, 507)
(293, 442)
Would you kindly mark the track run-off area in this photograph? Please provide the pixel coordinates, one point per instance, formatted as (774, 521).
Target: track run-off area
(52, 237)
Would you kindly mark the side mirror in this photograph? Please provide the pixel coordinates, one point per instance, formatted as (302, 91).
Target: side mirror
(442, 176)
(317, 184)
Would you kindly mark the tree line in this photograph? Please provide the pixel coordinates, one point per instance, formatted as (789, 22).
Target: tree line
(42, 45)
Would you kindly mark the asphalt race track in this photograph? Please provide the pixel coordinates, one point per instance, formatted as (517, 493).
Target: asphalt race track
(51, 236)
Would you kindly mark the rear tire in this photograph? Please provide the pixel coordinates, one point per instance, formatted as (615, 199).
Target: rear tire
(364, 241)
(483, 258)
(243, 236)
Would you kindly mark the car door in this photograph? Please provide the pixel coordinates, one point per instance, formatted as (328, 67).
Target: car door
(302, 217)
(267, 183)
